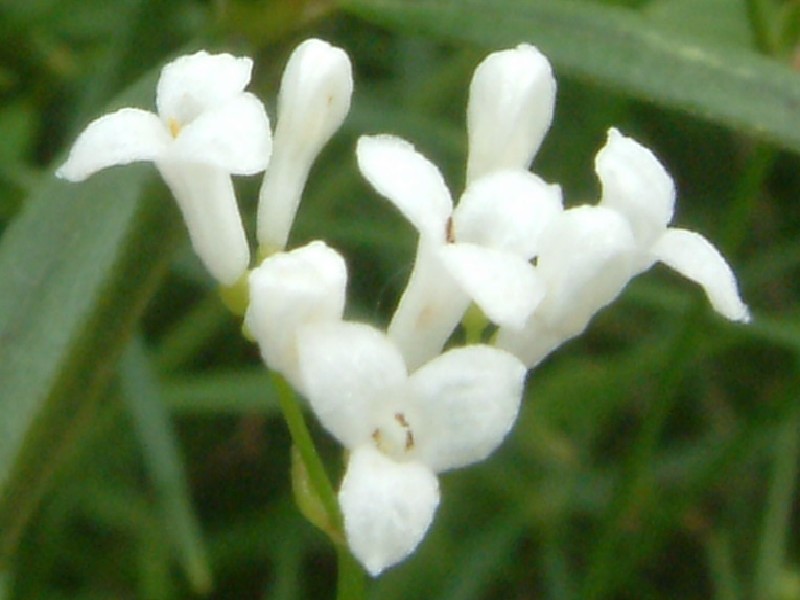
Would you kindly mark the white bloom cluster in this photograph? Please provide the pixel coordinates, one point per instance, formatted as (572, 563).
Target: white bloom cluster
(405, 408)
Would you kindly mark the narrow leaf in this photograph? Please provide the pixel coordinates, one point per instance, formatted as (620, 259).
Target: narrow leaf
(163, 462)
(77, 268)
(619, 49)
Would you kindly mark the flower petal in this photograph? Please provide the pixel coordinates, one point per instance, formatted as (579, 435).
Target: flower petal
(637, 185)
(408, 180)
(291, 289)
(694, 257)
(192, 84)
(429, 309)
(586, 259)
(507, 210)
(532, 343)
(387, 506)
(233, 136)
(504, 285)
(313, 102)
(511, 102)
(314, 97)
(122, 137)
(348, 370)
(467, 400)
(207, 201)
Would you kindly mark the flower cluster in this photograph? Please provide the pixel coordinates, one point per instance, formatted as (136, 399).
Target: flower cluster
(405, 407)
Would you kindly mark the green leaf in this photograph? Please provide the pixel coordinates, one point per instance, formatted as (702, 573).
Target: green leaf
(234, 391)
(77, 268)
(619, 49)
(159, 447)
(719, 22)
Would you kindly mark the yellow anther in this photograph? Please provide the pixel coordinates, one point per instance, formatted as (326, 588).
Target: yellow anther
(174, 127)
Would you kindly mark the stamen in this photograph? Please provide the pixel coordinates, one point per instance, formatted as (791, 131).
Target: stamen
(450, 234)
(174, 127)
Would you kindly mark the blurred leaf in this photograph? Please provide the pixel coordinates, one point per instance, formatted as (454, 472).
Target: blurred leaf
(721, 22)
(234, 391)
(77, 267)
(621, 50)
(18, 124)
(483, 555)
(164, 464)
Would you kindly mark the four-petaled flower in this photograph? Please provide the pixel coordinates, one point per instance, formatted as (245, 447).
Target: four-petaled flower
(402, 430)
(479, 251)
(588, 254)
(207, 128)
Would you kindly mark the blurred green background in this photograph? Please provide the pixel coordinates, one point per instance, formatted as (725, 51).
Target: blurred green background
(142, 453)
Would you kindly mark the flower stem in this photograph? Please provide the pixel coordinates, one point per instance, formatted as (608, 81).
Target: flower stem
(301, 438)
(350, 585)
(474, 323)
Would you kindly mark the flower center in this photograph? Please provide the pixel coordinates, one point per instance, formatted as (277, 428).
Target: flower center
(174, 127)
(394, 436)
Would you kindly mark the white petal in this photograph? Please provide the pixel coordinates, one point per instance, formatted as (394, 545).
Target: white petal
(637, 185)
(291, 289)
(409, 180)
(511, 102)
(313, 102)
(119, 138)
(233, 136)
(192, 84)
(430, 308)
(586, 259)
(507, 210)
(467, 400)
(348, 370)
(279, 199)
(314, 97)
(532, 343)
(504, 285)
(387, 506)
(694, 257)
(207, 201)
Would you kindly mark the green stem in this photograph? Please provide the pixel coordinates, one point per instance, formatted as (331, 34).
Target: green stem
(301, 438)
(350, 582)
(350, 585)
(474, 324)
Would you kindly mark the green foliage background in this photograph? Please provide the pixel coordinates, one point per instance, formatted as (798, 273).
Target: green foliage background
(142, 452)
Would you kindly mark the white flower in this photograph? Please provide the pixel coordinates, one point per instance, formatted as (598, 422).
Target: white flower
(588, 254)
(586, 257)
(206, 129)
(402, 430)
(313, 102)
(511, 102)
(637, 186)
(479, 251)
(289, 290)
